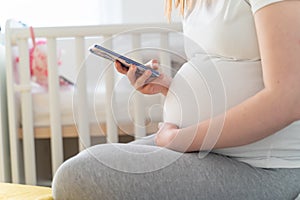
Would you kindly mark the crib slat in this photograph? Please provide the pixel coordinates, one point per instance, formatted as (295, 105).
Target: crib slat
(5, 165)
(139, 99)
(15, 150)
(27, 115)
(165, 59)
(17, 172)
(112, 129)
(82, 103)
(4, 140)
(55, 113)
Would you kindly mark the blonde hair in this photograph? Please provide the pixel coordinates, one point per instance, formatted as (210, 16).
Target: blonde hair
(178, 3)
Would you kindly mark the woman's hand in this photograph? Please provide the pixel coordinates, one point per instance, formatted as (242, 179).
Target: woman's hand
(158, 85)
(166, 134)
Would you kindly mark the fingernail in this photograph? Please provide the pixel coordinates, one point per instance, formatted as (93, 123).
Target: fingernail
(160, 124)
(133, 68)
(148, 72)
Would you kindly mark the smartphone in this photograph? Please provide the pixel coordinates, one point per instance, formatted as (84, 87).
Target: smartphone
(125, 61)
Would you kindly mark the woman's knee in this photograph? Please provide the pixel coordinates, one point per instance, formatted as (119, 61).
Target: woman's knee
(65, 180)
(74, 178)
(93, 173)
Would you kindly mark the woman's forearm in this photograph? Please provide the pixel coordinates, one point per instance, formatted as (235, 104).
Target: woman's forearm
(256, 118)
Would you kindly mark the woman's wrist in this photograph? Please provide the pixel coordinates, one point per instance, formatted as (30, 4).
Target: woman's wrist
(166, 135)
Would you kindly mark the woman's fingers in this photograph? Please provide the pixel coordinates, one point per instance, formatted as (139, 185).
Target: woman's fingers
(140, 82)
(154, 64)
(120, 68)
(131, 74)
(166, 125)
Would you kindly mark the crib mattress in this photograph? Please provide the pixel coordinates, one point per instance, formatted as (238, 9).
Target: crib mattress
(122, 108)
(68, 105)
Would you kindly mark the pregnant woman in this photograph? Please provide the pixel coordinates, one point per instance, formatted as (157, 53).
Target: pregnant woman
(230, 129)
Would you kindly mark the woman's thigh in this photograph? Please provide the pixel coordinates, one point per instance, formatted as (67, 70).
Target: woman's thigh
(133, 171)
(148, 140)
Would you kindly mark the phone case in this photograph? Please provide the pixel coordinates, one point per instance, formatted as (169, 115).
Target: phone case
(125, 61)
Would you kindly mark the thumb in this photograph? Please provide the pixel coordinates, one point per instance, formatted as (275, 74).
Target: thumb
(160, 125)
(153, 64)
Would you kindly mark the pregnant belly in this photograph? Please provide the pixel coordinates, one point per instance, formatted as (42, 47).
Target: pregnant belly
(204, 88)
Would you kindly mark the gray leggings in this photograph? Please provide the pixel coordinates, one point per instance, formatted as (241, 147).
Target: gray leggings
(140, 170)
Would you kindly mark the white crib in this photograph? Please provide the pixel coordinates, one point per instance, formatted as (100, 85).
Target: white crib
(4, 139)
(22, 127)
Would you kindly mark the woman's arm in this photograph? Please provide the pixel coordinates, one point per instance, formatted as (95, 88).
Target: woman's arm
(273, 108)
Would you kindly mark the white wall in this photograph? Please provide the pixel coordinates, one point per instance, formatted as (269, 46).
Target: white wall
(131, 11)
(79, 12)
(134, 11)
(140, 11)
(110, 11)
(51, 13)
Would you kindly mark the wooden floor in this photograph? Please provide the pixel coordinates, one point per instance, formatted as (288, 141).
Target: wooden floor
(21, 192)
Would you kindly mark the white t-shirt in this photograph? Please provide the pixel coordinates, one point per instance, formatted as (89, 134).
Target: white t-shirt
(223, 70)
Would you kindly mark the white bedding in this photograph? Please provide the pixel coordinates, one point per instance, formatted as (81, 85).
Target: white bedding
(122, 111)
